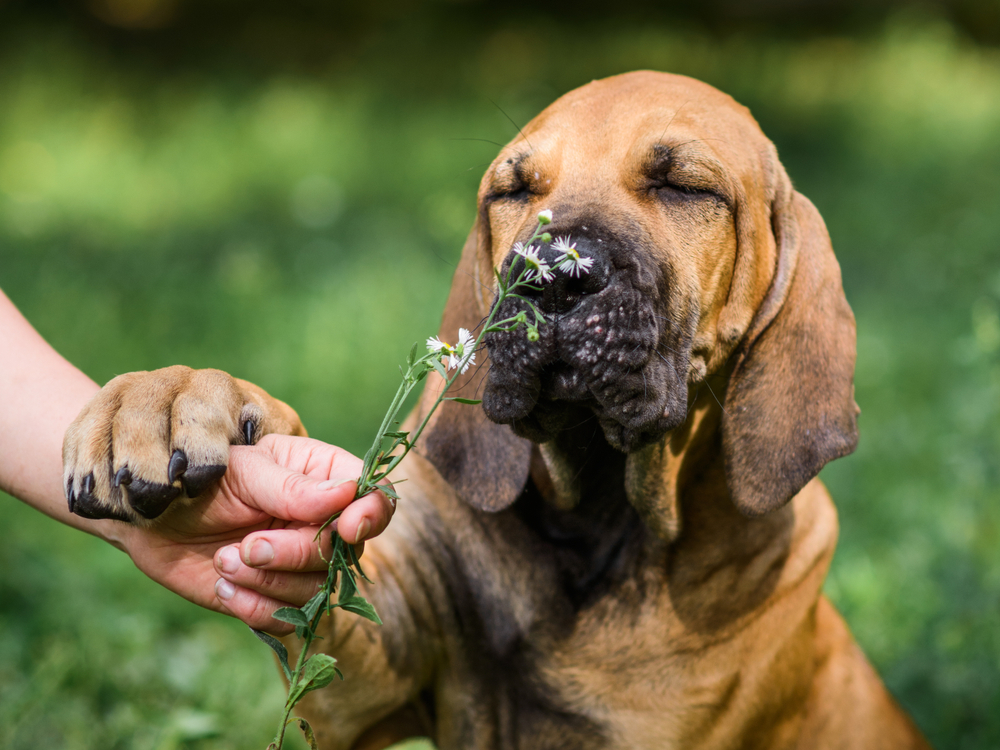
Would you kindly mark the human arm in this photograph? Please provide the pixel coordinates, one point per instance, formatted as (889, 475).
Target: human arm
(41, 394)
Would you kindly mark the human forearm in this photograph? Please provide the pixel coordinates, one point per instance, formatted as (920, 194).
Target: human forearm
(43, 393)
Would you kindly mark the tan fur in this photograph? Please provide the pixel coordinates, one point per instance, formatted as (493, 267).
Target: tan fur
(720, 637)
(527, 602)
(138, 420)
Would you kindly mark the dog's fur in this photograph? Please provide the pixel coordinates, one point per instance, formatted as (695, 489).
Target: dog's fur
(629, 552)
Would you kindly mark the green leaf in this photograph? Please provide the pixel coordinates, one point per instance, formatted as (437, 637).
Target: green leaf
(436, 364)
(412, 356)
(360, 606)
(369, 455)
(470, 401)
(388, 490)
(292, 616)
(318, 671)
(348, 589)
(356, 562)
(307, 732)
(278, 648)
(312, 606)
(397, 434)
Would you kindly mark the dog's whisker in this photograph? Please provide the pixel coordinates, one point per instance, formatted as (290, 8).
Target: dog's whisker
(670, 348)
(716, 398)
(480, 140)
(514, 124)
(700, 140)
(672, 118)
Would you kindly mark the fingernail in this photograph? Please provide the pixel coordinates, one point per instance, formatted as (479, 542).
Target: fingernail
(330, 484)
(260, 553)
(224, 589)
(363, 528)
(229, 560)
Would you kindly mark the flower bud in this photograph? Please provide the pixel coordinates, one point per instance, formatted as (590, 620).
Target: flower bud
(546, 237)
(545, 217)
(532, 333)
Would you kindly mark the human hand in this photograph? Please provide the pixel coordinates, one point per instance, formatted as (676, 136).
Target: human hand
(248, 547)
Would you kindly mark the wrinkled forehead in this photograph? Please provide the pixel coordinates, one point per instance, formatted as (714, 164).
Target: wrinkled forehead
(618, 125)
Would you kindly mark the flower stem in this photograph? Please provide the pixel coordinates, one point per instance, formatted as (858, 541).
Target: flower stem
(342, 561)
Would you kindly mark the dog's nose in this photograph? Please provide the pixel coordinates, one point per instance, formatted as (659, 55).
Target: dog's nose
(579, 267)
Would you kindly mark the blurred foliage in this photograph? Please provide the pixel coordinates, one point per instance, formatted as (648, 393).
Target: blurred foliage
(287, 201)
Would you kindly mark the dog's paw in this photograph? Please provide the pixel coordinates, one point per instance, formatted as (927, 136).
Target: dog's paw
(146, 438)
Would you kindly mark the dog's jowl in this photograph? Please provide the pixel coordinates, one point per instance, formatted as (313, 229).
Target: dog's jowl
(625, 546)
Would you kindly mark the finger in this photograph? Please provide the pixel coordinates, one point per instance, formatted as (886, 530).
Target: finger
(311, 457)
(366, 517)
(254, 609)
(286, 549)
(297, 588)
(258, 481)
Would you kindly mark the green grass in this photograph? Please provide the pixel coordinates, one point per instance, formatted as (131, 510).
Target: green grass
(300, 231)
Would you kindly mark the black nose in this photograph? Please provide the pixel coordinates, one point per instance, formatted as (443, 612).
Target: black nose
(567, 285)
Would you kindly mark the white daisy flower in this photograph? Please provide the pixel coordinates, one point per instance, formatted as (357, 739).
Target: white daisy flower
(565, 246)
(437, 346)
(570, 262)
(538, 269)
(545, 217)
(543, 273)
(464, 355)
(464, 339)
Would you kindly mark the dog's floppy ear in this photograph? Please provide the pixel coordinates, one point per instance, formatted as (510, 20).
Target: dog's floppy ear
(789, 406)
(486, 463)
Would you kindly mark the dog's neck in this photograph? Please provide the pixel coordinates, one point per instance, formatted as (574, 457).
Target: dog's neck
(578, 507)
(579, 468)
(593, 504)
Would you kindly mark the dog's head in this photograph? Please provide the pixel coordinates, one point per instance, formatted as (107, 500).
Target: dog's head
(706, 263)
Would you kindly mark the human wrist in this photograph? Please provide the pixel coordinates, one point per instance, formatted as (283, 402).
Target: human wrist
(116, 533)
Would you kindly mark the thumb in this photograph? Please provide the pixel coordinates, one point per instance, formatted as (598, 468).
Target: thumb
(257, 480)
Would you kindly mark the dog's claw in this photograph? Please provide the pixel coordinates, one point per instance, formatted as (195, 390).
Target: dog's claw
(86, 504)
(249, 432)
(123, 478)
(178, 465)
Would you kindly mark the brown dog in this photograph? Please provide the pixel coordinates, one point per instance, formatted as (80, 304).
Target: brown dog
(629, 553)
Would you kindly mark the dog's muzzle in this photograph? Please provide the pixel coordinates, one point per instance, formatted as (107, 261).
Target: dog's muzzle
(603, 346)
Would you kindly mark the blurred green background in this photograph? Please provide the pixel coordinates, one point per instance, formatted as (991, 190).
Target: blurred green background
(282, 191)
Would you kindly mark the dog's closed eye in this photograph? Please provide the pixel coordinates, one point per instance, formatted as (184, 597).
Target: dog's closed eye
(670, 178)
(513, 181)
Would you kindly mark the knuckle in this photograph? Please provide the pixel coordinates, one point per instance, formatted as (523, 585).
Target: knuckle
(269, 579)
(293, 488)
(268, 441)
(301, 557)
(260, 612)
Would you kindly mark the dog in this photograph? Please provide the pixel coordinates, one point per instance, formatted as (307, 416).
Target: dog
(626, 546)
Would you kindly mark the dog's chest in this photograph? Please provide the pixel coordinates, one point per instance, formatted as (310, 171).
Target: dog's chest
(559, 608)
(586, 632)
